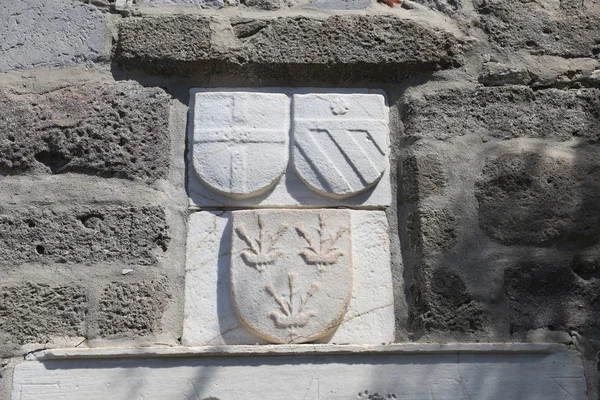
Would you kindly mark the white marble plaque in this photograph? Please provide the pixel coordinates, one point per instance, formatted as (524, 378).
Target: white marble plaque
(340, 142)
(400, 372)
(291, 272)
(240, 141)
(357, 119)
(210, 317)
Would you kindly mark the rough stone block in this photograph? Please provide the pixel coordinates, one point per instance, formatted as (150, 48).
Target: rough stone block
(351, 47)
(82, 235)
(113, 130)
(240, 158)
(210, 316)
(32, 313)
(548, 197)
(132, 308)
(502, 112)
(198, 3)
(340, 4)
(423, 371)
(447, 6)
(432, 231)
(422, 176)
(563, 28)
(39, 32)
(548, 294)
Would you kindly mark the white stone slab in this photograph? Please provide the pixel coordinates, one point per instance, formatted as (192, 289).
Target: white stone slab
(289, 190)
(433, 372)
(210, 318)
(291, 272)
(340, 141)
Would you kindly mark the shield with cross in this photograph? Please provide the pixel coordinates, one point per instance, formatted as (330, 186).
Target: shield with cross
(240, 141)
(340, 142)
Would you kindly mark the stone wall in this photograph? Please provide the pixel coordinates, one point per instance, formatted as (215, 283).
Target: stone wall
(495, 122)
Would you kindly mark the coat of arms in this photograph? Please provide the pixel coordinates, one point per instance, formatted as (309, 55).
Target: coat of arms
(291, 272)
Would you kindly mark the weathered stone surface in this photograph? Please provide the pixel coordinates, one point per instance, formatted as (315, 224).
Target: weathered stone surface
(291, 272)
(82, 235)
(566, 28)
(548, 294)
(199, 3)
(430, 372)
(527, 196)
(432, 231)
(210, 319)
(289, 190)
(422, 176)
(241, 141)
(132, 308)
(447, 6)
(116, 130)
(351, 47)
(444, 304)
(32, 313)
(340, 4)
(504, 112)
(496, 74)
(39, 32)
(340, 141)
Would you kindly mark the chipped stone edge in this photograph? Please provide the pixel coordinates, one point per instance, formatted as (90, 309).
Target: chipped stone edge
(298, 349)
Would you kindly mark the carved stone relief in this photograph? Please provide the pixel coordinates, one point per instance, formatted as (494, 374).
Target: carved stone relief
(291, 272)
(240, 148)
(240, 141)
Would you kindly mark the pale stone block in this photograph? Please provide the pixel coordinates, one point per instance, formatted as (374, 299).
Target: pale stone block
(289, 190)
(240, 141)
(340, 142)
(291, 272)
(410, 371)
(210, 317)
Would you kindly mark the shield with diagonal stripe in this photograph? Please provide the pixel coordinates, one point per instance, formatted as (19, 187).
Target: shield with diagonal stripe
(240, 141)
(340, 142)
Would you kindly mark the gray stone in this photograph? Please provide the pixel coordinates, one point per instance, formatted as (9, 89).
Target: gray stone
(496, 74)
(82, 235)
(443, 304)
(199, 3)
(32, 313)
(132, 308)
(422, 176)
(548, 294)
(432, 231)
(39, 32)
(503, 112)
(268, 5)
(338, 48)
(566, 28)
(541, 198)
(340, 4)
(112, 130)
(447, 6)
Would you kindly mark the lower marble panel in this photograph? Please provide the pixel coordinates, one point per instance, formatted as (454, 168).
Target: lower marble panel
(501, 371)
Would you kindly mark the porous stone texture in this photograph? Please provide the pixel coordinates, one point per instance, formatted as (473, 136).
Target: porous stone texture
(199, 3)
(350, 47)
(337, 173)
(423, 176)
(58, 32)
(533, 197)
(340, 4)
(112, 130)
(132, 308)
(291, 272)
(447, 6)
(82, 235)
(210, 318)
(340, 142)
(241, 141)
(33, 313)
(563, 28)
(503, 113)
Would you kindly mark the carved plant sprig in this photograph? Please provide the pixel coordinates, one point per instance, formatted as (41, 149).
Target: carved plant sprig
(292, 315)
(325, 253)
(262, 251)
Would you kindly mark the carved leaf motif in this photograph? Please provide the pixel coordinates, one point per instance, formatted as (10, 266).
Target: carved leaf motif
(325, 253)
(292, 315)
(262, 251)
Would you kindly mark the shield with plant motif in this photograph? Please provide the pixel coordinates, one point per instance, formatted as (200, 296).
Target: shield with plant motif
(291, 272)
